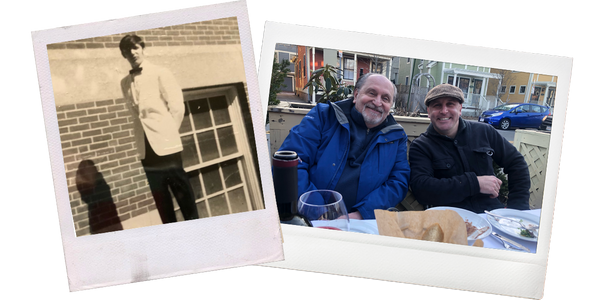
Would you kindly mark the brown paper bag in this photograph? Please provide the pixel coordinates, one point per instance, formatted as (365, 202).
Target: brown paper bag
(413, 224)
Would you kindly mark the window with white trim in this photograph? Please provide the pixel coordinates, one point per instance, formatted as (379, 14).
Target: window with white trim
(522, 89)
(216, 154)
(512, 89)
(348, 68)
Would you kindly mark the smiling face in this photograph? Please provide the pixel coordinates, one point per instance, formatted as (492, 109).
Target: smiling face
(444, 114)
(374, 99)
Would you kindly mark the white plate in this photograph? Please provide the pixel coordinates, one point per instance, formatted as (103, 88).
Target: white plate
(517, 214)
(364, 226)
(475, 219)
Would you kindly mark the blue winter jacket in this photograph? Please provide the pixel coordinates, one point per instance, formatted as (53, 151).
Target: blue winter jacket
(322, 141)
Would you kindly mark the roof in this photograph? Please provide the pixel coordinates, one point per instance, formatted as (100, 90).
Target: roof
(472, 73)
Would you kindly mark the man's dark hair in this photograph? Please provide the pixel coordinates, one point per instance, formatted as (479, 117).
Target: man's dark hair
(129, 41)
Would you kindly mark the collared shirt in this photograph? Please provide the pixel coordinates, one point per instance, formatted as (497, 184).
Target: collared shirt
(155, 101)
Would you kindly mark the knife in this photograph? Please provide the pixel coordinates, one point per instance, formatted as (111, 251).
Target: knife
(511, 242)
(528, 226)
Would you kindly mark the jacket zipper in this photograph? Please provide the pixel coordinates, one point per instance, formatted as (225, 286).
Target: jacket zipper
(345, 155)
(338, 166)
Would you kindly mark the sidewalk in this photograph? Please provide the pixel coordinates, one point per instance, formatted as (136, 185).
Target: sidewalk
(286, 98)
(148, 219)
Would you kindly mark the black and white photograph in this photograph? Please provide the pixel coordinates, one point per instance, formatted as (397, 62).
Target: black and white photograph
(157, 148)
(155, 126)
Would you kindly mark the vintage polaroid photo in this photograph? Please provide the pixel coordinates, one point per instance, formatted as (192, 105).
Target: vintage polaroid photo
(157, 145)
(522, 95)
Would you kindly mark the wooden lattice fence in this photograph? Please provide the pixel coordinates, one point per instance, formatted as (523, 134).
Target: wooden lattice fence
(534, 147)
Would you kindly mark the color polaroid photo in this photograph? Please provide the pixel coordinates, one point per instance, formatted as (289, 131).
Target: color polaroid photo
(491, 80)
(157, 145)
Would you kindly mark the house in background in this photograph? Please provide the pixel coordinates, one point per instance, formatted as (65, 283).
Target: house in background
(483, 87)
(402, 70)
(290, 53)
(522, 87)
(542, 89)
(472, 80)
(351, 65)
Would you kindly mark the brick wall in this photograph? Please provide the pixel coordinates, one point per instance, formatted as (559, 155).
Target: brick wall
(214, 32)
(101, 132)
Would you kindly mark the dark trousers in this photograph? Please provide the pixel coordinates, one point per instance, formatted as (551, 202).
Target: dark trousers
(164, 172)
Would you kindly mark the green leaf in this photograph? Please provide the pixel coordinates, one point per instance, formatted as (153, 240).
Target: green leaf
(327, 84)
(308, 84)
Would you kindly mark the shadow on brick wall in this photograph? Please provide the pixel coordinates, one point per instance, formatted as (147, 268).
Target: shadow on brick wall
(95, 192)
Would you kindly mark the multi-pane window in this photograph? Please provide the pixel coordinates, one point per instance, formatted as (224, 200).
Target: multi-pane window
(216, 155)
(348, 68)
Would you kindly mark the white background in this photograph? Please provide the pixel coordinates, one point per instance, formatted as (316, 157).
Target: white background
(501, 25)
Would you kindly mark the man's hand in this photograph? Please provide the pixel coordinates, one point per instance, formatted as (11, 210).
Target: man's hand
(355, 215)
(489, 185)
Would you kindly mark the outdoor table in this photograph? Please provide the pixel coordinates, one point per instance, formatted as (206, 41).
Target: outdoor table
(370, 226)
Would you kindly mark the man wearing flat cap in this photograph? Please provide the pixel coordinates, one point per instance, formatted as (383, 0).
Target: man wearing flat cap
(452, 162)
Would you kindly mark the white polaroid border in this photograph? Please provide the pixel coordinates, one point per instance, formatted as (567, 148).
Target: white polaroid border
(163, 250)
(412, 261)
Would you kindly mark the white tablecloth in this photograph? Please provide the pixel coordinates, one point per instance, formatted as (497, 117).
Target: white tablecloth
(370, 226)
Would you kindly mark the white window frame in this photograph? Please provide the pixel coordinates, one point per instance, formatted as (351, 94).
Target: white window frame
(522, 89)
(246, 165)
(512, 89)
(344, 58)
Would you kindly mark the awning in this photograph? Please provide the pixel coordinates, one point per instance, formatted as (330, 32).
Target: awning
(472, 73)
(545, 83)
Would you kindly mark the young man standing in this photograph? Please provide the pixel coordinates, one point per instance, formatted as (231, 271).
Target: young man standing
(156, 103)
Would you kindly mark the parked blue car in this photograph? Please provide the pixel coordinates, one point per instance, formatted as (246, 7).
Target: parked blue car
(520, 115)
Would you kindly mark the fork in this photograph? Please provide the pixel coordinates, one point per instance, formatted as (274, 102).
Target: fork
(531, 229)
(506, 244)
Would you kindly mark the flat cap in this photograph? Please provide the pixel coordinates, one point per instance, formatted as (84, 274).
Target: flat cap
(444, 90)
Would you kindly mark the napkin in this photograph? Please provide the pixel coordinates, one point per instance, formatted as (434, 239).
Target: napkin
(413, 224)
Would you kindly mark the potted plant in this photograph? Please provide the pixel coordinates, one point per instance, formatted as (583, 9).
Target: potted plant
(325, 83)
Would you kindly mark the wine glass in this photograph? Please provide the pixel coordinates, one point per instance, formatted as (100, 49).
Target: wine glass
(324, 209)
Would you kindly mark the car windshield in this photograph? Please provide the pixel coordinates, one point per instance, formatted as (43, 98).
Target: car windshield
(506, 107)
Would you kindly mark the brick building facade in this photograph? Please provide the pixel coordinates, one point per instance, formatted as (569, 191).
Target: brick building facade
(96, 129)
(213, 32)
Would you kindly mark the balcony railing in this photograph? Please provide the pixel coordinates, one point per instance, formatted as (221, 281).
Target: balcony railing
(478, 101)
